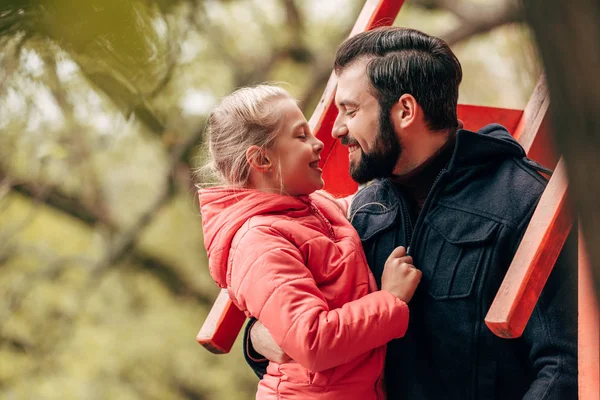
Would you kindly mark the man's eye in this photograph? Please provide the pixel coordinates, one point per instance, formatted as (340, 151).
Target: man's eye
(350, 112)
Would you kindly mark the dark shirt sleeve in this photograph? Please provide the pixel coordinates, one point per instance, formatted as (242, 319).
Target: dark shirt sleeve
(257, 362)
(551, 334)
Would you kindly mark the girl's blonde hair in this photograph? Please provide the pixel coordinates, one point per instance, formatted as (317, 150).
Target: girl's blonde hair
(244, 118)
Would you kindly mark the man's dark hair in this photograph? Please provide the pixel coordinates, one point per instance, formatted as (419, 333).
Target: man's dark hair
(403, 60)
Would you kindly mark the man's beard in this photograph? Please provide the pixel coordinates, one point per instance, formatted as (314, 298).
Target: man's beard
(380, 162)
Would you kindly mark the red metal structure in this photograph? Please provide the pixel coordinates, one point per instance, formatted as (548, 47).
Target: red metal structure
(539, 248)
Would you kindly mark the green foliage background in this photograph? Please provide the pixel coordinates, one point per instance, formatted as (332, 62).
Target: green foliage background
(103, 273)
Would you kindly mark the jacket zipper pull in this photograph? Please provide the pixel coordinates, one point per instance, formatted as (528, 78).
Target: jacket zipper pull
(323, 220)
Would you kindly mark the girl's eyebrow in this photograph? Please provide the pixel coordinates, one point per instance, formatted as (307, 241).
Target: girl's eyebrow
(297, 126)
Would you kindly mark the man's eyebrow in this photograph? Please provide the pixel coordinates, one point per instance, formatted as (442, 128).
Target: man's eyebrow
(351, 103)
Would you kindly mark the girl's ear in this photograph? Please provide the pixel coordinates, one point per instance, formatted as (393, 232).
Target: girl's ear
(257, 159)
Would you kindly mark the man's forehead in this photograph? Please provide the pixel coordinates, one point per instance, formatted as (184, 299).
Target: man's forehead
(352, 82)
(355, 69)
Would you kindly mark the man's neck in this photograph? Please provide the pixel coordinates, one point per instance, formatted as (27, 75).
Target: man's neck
(418, 181)
(419, 144)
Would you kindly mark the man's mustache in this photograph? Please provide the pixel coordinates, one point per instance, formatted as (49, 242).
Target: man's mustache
(348, 141)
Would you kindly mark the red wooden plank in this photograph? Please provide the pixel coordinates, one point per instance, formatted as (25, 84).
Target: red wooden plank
(534, 260)
(335, 171)
(527, 275)
(589, 330)
(476, 117)
(222, 325)
(532, 131)
(224, 321)
(334, 157)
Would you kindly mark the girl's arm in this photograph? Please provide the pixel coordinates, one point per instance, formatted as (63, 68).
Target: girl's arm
(271, 281)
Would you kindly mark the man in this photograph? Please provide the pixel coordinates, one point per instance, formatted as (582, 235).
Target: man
(460, 201)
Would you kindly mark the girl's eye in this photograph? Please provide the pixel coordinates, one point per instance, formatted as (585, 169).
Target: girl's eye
(302, 137)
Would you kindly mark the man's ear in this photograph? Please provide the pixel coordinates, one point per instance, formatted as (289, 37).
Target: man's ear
(405, 111)
(258, 159)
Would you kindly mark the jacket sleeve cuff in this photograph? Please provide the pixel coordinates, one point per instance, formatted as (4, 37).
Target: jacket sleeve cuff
(257, 362)
(401, 314)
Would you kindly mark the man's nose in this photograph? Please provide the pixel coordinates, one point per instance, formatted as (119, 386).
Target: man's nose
(339, 127)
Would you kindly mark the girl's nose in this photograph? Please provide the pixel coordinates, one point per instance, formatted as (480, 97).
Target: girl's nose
(318, 145)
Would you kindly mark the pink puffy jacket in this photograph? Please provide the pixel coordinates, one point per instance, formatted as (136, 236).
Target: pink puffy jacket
(297, 265)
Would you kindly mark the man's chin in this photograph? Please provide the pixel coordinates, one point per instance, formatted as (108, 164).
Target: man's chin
(370, 169)
(359, 176)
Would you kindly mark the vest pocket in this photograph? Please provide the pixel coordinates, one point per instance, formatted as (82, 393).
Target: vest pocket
(455, 247)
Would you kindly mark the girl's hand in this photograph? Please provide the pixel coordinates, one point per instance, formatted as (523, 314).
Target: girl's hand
(400, 277)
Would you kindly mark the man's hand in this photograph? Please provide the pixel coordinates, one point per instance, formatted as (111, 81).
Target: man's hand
(263, 343)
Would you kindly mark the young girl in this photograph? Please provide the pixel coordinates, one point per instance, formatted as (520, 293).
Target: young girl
(290, 258)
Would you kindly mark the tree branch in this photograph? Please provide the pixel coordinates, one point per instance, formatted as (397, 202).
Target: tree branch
(55, 198)
(475, 18)
(11, 56)
(295, 21)
(311, 95)
(460, 8)
(73, 207)
(126, 241)
(484, 21)
(169, 277)
(92, 194)
(321, 72)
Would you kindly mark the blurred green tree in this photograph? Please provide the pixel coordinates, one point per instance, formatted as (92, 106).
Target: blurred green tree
(102, 110)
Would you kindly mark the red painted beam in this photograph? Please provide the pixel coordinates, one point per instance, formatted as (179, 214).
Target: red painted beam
(334, 157)
(589, 330)
(335, 166)
(532, 131)
(533, 261)
(476, 117)
(224, 321)
(222, 325)
(546, 233)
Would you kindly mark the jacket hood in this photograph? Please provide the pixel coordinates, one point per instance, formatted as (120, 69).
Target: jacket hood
(491, 141)
(224, 210)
